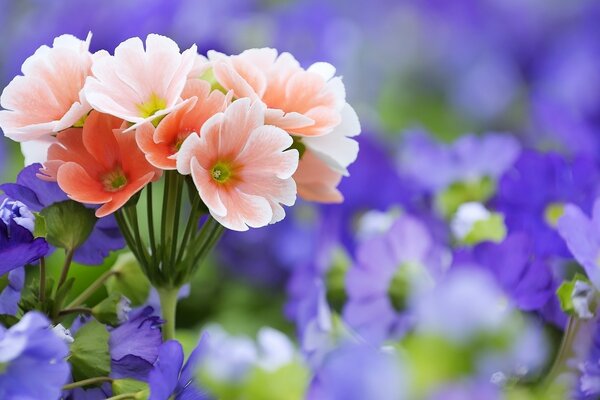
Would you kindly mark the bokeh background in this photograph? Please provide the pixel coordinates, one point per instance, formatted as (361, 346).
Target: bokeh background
(526, 68)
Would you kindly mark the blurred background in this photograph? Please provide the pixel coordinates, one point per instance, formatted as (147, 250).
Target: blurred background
(526, 68)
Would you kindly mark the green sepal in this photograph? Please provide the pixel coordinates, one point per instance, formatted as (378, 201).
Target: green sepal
(129, 280)
(90, 355)
(110, 310)
(565, 293)
(68, 224)
(491, 229)
(138, 389)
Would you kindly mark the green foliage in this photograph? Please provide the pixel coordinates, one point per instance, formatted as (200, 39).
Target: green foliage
(109, 311)
(68, 224)
(138, 389)
(90, 355)
(335, 279)
(129, 280)
(565, 293)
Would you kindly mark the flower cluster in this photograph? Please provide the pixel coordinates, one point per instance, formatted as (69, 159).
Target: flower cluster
(252, 130)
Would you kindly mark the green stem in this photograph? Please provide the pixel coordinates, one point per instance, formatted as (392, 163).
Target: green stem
(150, 214)
(168, 304)
(175, 234)
(565, 352)
(42, 279)
(74, 310)
(124, 396)
(65, 270)
(192, 225)
(87, 382)
(90, 290)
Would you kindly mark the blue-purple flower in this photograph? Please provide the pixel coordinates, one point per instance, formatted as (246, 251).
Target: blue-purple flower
(389, 269)
(134, 345)
(38, 194)
(18, 246)
(11, 295)
(32, 360)
(171, 378)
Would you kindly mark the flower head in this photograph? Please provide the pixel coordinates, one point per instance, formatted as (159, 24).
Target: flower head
(18, 246)
(160, 144)
(309, 104)
(241, 167)
(170, 378)
(48, 97)
(31, 352)
(38, 194)
(140, 85)
(99, 164)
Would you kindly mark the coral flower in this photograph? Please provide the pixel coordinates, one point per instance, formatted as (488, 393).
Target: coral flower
(48, 97)
(140, 85)
(161, 143)
(99, 164)
(309, 104)
(241, 167)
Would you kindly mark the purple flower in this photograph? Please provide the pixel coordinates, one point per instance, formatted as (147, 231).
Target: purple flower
(526, 279)
(582, 236)
(38, 194)
(471, 158)
(33, 360)
(530, 194)
(18, 247)
(468, 390)
(388, 269)
(358, 372)
(170, 378)
(11, 295)
(134, 345)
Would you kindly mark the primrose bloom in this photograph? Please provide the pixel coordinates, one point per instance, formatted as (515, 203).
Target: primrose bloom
(309, 104)
(48, 97)
(241, 167)
(160, 144)
(99, 164)
(140, 85)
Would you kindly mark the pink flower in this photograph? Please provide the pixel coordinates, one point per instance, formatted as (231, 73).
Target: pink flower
(309, 104)
(99, 164)
(48, 97)
(242, 168)
(140, 85)
(160, 144)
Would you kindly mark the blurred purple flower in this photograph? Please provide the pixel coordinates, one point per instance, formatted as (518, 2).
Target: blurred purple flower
(470, 158)
(18, 247)
(582, 235)
(469, 390)
(388, 270)
(526, 279)
(134, 345)
(170, 378)
(31, 352)
(358, 372)
(538, 183)
(11, 295)
(38, 194)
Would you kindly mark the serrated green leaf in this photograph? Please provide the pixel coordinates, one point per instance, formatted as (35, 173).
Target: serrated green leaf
(90, 355)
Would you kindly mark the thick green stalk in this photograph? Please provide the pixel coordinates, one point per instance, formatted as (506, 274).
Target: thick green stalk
(168, 304)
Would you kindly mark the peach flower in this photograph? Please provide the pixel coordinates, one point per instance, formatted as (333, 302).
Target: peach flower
(99, 164)
(140, 85)
(242, 168)
(160, 144)
(48, 97)
(309, 104)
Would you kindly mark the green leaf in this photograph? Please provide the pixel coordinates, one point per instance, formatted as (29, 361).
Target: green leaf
(8, 320)
(129, 280)
(565, 293)
(68, 224)
(138, 388)
(90, 355)
(111, 310)
(39, 230)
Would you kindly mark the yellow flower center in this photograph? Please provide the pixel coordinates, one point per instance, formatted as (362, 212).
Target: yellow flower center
(150, 107)
(114, 180)
(221, 172)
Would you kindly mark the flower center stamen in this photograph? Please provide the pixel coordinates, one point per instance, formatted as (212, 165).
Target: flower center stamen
(114, 181)
(221, 172)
